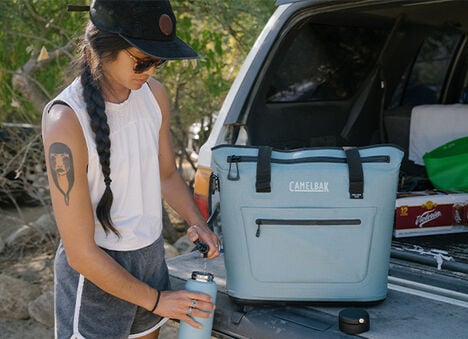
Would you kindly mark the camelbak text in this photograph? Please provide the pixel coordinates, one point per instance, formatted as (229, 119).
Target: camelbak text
(308, 186)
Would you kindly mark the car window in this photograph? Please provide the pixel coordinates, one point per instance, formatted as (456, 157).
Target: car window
(324, 62)
(423, 83)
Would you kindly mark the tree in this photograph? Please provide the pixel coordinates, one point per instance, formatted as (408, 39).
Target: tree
(221, 31)
(38, 40)
(28, 26)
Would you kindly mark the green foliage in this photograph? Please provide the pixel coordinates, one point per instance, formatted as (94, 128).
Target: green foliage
(27, 26)
(221, 31)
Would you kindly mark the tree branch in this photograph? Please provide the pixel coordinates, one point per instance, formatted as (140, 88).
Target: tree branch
(23, 81)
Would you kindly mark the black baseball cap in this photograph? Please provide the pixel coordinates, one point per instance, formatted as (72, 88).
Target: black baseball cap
(149, 25)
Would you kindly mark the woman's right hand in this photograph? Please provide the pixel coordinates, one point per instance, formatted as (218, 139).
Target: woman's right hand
(184, 305)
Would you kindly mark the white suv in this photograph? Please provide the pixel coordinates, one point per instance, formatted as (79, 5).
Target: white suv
(340, 73)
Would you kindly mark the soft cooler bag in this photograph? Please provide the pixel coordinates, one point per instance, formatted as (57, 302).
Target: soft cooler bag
(309, 224)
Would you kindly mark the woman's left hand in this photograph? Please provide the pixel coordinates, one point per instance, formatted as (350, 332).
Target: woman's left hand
(205, 235)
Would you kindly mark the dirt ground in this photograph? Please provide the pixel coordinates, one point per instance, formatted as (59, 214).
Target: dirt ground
(35, 266)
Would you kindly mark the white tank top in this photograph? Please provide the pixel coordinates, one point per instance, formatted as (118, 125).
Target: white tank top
(134, 133)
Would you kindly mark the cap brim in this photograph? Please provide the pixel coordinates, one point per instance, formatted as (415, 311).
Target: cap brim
(169, 50)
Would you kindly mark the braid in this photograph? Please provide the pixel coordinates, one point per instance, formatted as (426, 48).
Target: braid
(96, 47)
(96, 109)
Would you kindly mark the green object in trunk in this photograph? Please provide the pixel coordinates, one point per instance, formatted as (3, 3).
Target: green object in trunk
(447, 165)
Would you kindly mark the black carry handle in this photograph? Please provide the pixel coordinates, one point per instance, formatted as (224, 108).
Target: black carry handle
(356, 174)
(353, 159)
(262, 183)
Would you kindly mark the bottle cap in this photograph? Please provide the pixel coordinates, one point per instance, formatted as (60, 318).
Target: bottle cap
(202, 247)
(354, 321)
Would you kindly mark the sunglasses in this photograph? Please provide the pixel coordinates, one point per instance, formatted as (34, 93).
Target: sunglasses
(141, 66)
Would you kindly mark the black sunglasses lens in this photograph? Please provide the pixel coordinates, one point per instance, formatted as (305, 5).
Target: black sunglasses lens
(143, 65)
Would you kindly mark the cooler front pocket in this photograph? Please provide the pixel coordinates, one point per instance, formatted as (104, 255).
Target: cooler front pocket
(308, 245)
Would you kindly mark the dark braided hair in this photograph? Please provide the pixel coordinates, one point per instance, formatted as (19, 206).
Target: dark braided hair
(96, 47)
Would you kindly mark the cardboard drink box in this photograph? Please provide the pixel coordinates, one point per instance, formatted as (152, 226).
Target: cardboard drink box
(430, 212)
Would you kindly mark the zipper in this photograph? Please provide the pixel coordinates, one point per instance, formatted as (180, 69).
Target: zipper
(235, 159)
(233, 174)
(305, 222)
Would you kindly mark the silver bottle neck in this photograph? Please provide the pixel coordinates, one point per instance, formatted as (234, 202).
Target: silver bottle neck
(202, 276)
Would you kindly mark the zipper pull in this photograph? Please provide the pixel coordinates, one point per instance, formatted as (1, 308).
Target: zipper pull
(234, 159)
(214, 183)
(259, 223)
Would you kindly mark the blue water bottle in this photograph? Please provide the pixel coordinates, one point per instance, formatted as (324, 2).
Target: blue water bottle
(200, 282)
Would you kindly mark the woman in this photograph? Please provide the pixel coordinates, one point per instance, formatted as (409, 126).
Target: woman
(110, 162)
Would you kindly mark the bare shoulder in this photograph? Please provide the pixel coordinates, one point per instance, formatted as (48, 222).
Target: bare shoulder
(156, 86)
(60, 119)
(61, 125)
(160, 94)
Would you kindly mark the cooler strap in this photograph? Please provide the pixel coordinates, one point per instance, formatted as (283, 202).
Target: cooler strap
(356, 174)
(262, 183)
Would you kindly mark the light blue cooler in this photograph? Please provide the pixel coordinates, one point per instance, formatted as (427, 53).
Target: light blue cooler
(308, 225)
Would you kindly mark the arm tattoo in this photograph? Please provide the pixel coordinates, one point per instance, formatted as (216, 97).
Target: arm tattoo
(61, 167)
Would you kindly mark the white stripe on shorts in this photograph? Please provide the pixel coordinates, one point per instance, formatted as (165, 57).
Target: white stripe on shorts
(76, 316)
(151, 330)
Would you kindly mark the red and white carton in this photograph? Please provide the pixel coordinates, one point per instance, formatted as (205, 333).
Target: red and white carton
(430, 212)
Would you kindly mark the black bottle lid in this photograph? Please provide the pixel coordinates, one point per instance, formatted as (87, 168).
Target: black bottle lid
(354, 320)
